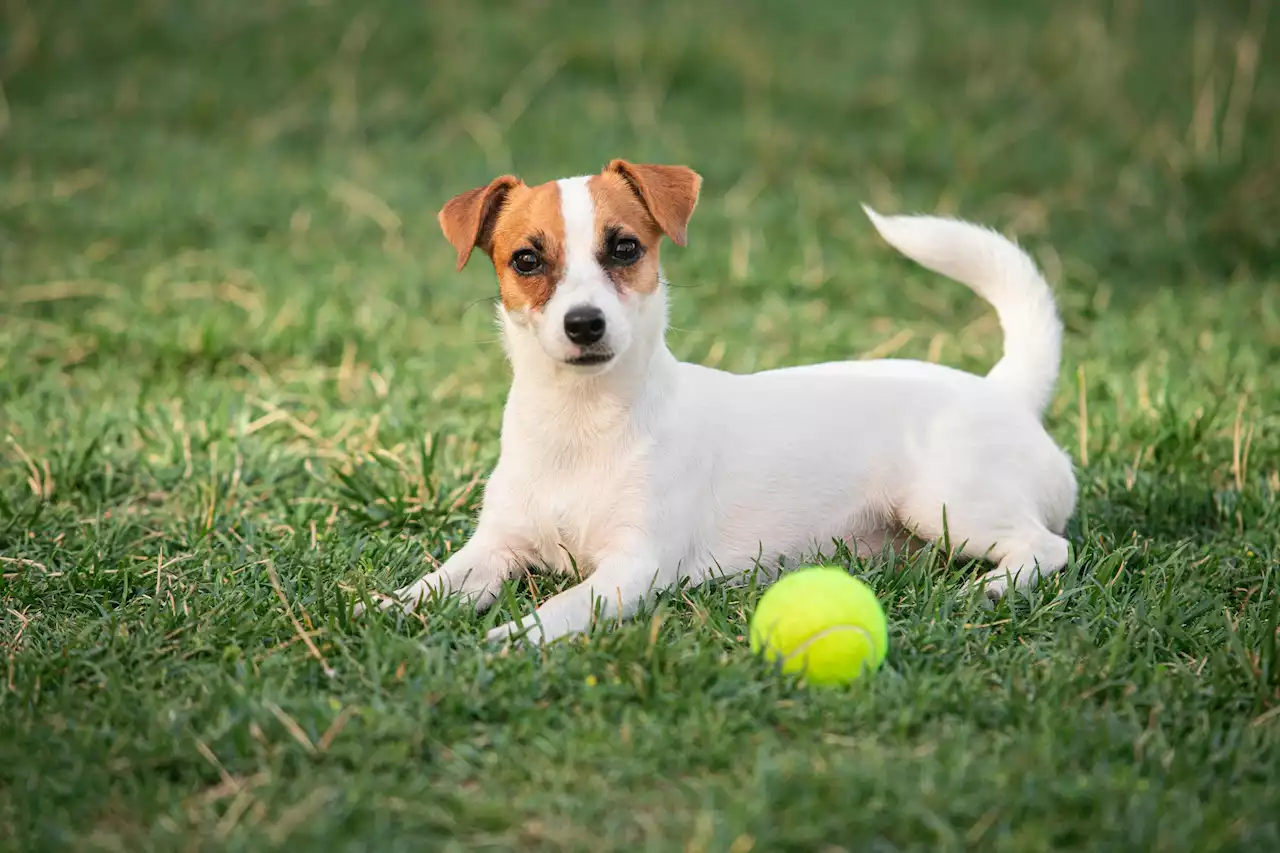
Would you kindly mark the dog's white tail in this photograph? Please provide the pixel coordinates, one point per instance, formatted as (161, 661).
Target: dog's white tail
(1004, 275)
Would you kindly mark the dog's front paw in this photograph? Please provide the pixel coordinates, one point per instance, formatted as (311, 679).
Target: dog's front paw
(995, 585)
(995, 589)
(380, 602)
(408, 599)
(499, 636)
(514, 634)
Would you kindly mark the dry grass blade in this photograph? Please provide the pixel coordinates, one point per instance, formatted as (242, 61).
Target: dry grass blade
(297, 626)
(292, 727)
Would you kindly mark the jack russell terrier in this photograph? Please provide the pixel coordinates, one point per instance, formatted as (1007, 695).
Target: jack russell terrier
(638, 470)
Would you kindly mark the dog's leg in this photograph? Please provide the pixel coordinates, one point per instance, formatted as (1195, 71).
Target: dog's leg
(1000, 531)
(876, 542)
(476, 570)
(1025, 561)
(621, 584)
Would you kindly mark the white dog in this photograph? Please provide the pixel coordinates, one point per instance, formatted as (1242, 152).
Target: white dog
(637, 470)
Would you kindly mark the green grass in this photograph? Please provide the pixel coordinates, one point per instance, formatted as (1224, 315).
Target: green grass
(240, 383)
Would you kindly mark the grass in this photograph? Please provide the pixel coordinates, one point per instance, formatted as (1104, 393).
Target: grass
(240, 383)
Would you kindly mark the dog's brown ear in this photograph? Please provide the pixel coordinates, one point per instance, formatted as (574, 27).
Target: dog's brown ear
(669, 192)
(467, 219)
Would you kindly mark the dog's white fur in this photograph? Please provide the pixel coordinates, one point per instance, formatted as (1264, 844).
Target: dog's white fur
(647, 470)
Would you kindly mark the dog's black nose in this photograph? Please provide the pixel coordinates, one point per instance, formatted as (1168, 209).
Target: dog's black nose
(584, 325)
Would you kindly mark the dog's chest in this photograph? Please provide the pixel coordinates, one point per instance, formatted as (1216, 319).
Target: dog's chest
(578, 512)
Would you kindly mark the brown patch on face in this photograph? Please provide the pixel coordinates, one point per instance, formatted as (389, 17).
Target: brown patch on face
(506, 218)
(621, 215)
(530, 221)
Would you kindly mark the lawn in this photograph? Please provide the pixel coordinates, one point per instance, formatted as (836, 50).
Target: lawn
(241, 383)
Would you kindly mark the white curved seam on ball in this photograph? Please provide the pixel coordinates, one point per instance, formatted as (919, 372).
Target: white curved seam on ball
(826, 632)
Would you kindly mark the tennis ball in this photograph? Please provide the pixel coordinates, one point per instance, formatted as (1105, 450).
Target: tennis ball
(823, 623)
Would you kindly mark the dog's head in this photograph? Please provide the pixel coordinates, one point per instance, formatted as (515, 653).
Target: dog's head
(577, 259)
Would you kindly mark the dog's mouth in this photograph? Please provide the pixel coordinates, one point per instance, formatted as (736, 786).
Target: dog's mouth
(589, 359)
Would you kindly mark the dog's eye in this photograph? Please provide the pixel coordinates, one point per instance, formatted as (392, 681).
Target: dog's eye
(526, 262)
(625, 251)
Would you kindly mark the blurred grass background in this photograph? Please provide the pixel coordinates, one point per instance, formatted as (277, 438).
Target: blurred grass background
(231, 340)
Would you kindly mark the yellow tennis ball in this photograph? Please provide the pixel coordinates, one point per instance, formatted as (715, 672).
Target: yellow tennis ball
(823, 623)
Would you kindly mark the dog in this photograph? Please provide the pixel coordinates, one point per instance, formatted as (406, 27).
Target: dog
(637, 471)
